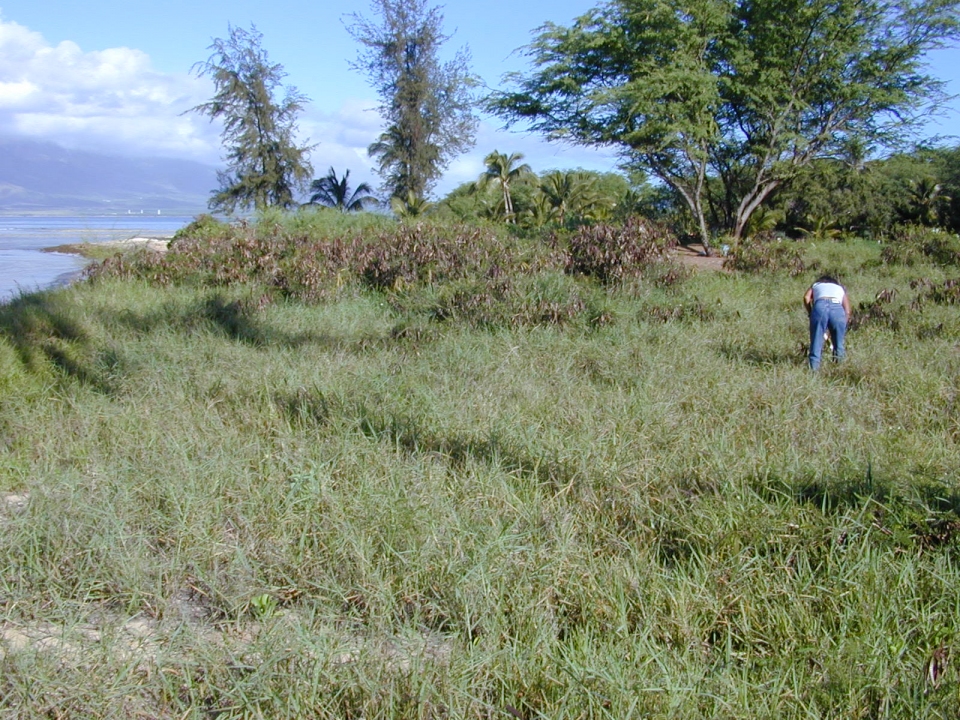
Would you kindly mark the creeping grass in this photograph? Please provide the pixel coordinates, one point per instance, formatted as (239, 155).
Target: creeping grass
(628, 500)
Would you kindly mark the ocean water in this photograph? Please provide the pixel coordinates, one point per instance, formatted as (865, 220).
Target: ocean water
(24, 268)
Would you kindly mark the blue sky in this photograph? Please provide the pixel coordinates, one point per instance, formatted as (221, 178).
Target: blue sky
(114, 76)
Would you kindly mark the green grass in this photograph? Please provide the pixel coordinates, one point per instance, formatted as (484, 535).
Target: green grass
(90, 250)
(354, 508)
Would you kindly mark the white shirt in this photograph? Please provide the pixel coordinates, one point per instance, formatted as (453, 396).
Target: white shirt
(828, 291)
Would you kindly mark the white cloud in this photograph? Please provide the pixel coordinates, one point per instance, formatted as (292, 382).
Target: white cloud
(113, 101)
(13, 94)
(107, 100)
(341, 139)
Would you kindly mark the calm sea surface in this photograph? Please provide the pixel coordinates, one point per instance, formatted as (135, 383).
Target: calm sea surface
(24, 268)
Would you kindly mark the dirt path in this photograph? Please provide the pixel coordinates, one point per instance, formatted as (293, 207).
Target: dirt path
(694, 256)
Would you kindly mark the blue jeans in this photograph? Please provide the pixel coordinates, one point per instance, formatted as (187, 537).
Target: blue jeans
(826, 316)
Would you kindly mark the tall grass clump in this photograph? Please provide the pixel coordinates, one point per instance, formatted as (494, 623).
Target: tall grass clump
(474, 484)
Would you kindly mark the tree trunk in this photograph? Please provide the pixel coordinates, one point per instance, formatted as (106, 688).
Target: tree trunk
(692, 194)
(749, 204)
(695, 205)
(508, 204)
(704, 233)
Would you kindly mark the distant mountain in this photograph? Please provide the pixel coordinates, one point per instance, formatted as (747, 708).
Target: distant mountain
(40, 177)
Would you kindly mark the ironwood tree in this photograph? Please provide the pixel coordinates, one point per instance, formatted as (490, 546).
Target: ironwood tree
(266, 167)
(426, 104)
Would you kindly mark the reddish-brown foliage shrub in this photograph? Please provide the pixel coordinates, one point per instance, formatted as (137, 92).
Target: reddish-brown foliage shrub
(945, 293)
(765, 252)
(612, 253)
(309, 268)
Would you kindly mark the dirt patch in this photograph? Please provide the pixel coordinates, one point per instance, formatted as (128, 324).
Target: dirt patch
(142, 640)
(13, 502)
(134, 639)
(694, 256)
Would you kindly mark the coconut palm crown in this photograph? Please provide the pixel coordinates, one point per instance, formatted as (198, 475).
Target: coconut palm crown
(504, 170)
(334, 192)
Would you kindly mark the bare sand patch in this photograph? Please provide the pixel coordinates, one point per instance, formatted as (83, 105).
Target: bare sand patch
(157, 244)
(694, 256)
(101, 250)
(13, 502)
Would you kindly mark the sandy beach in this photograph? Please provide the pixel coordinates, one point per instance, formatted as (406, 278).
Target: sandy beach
(99, 250)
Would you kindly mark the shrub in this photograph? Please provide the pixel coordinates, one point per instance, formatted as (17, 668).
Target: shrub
(765, 252)
(945, 293)
(610, 253)
(415, 254)
(876, 312)
(203, 226)
(910, 244)
(308, 264)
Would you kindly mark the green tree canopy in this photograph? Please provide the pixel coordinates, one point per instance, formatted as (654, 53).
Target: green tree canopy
(574, 194)
(335, 192)
(265, 165)
(426, 104)
(744, 91)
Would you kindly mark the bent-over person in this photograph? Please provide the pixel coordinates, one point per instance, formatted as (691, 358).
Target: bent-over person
(828, 305)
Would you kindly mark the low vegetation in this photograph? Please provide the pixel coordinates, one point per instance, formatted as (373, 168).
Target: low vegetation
(330, 466)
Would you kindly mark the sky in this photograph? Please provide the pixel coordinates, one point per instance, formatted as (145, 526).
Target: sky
(115, 76)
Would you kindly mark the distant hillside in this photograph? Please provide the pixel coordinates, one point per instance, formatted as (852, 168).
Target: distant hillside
(38, 177)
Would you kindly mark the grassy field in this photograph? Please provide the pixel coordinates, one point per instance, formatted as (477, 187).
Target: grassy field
(573, 499)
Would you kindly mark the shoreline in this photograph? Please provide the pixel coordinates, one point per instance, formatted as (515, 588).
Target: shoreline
(106, 248)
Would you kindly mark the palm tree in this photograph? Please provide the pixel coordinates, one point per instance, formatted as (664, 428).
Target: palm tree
(925, 197)
(334, 192)
(503, 170)
(392, 161)
(569, 193)
(538, 213)
(401, 162)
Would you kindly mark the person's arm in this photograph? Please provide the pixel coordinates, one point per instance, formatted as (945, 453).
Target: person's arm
(846, 305)
(808, 300)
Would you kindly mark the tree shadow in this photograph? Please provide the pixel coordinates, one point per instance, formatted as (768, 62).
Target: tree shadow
(924, 512)
(312, 409)
(237, 321)
(45, 329)
(42, 329)
(796, 357)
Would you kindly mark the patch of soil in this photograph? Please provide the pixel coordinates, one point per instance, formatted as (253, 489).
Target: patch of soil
(693, 255)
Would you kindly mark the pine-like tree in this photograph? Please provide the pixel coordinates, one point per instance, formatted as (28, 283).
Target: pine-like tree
(265, 165)
(426, 104)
